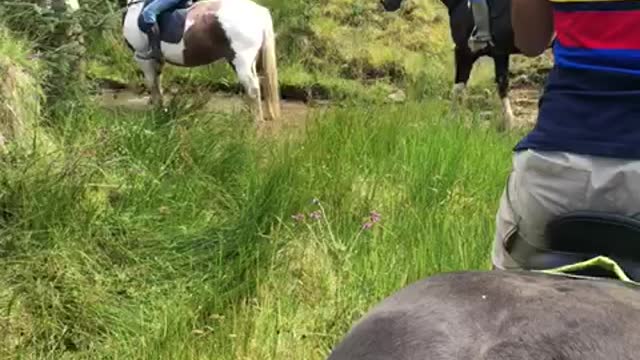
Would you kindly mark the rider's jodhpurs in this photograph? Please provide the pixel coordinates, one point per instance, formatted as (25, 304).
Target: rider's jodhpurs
(544, 184)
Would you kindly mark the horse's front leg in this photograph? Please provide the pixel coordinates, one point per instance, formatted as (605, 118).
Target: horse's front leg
(246, 70)
(502, 80)
(464, 60)
(157, 86)
(152, 70)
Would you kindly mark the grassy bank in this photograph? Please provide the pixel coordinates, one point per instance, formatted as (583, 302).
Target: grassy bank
(171, 235)
(20, 94)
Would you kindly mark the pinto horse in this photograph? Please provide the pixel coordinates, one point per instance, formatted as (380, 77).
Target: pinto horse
(461, 24)
(201, 33)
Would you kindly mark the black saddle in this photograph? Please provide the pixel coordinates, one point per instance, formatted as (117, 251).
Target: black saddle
(170, 22)
(580, 236)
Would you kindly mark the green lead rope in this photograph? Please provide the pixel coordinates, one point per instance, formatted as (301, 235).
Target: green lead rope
(601, 261)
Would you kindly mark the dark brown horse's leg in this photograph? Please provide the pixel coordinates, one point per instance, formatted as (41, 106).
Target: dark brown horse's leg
(501, 62)
(464, 60)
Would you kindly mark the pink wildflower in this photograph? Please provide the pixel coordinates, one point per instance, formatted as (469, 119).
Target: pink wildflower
(316, 215)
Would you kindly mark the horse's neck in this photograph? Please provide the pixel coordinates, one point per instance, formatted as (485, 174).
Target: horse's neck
(454, 4)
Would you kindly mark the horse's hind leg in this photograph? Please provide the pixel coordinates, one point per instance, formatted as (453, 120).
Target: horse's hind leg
(502, 80)
(152, 70)
(245, 67)
(464, 63)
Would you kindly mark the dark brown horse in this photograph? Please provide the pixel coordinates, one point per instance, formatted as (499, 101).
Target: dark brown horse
(461, 24)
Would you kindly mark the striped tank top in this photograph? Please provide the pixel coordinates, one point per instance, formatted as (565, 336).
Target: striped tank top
(591, 101)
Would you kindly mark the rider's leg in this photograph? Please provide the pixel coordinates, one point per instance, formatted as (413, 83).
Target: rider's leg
(481, 37)
(544, 184)
(155, 8)
(150, 16)
(154, 42)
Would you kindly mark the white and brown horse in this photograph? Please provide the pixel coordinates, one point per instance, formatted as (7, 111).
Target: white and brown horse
(239, 31)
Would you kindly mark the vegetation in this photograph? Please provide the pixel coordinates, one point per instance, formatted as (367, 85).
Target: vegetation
(183, 234)
(173, 236)
(19, 91)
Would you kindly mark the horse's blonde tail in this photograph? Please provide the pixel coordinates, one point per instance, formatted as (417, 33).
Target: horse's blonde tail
(271, 88)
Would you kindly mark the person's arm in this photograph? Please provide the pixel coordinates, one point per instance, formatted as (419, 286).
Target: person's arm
(532, 25)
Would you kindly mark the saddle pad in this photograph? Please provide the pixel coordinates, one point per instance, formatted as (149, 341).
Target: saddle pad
(603, 262)
(172, 25)
(171, 22)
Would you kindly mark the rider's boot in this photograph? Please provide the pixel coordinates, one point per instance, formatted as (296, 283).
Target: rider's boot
(154, 43)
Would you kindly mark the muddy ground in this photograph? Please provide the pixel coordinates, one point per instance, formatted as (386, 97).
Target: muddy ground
(295, 113)
(524, 93)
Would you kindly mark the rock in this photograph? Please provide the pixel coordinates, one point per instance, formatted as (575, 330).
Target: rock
(398, 96)
(486, 115)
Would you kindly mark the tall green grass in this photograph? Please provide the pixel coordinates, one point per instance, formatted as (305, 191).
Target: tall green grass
(159, 235)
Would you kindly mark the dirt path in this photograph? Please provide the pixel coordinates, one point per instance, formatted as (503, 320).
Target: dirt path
(525, 105)
(294, 113)
(524, 89)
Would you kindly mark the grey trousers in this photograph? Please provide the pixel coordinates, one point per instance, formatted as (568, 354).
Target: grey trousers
(544, 184)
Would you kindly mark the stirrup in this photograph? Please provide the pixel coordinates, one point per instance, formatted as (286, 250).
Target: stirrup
(156, 53)
(476, 45)
(147, 56)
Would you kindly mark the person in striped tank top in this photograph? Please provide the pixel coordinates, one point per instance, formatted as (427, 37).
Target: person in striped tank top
(584, 151)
